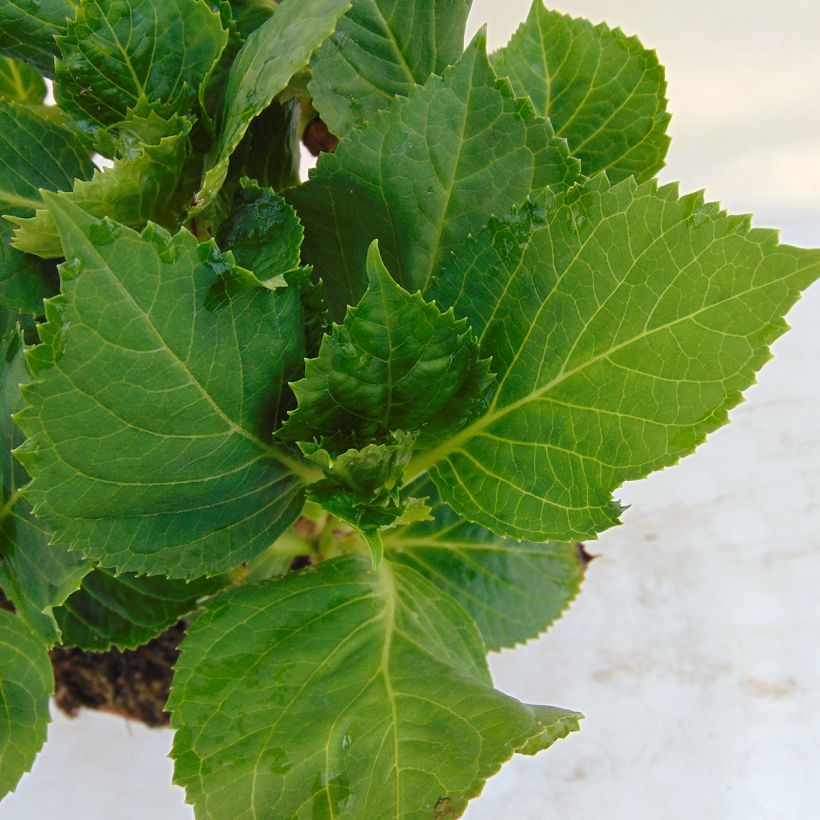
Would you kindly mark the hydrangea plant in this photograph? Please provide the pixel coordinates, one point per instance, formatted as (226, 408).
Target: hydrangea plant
(352, 429)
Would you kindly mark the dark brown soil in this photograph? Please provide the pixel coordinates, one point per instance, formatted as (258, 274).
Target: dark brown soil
(131, 683)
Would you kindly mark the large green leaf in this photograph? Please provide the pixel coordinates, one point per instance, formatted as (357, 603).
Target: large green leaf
(119, 55)
(26, 684)
(161, 374)
(513, 590)
(27, 30)
(460, 148)
(397, 363)
(342, 693)
(250, 14)
(126, 611)
(24, 280)
(132, 192)
(35, 575)
(272, 54)
(35, 154)
(601, 90)
(20, 82)
(622, 331)
(380, 50)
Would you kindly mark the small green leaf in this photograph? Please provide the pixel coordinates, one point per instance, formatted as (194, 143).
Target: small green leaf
(601, 90)
(397, 363)
(175, 363)
(24, 280)
(381, 50)
(341, 692)
(20, 83)
(273, 53)
(27, 30)
(120, 55)
(460, 148)
(27, 684)
(513, 590)
(622, 331)
(127, 611)
(35, 154)
(133, 192)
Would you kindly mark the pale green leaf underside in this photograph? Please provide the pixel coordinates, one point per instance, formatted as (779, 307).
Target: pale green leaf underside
(380, 50)
(162, 373)
(621, 333)
(270, 57)
(601, 90)
(126, 611)
(20, 83)
(123, 54)
(27, 30)
(337, 692)
(513, 590)
(26, 684)
(460, 148)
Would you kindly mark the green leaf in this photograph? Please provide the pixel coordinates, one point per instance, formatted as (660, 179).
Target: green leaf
(20, 83)
(340, 692)
(397, 363)
(381, 50)
(27, 684)
(24, 280)
(132, 192)
(120, 55)
(161, 374)
(513, 590)
(460, 148)
(127, 611)
(622, 332)
(601, 90)
(35, 154)
(34, 574)
(263, 68)
(271, 151)
(250, 14)
(27, 30)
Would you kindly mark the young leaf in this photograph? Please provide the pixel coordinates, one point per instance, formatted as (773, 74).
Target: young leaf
(27, 684)
(341, 692)
(513, 590)
(34, 574)
(120, 55)
(381, 50)
(162, 373)
(622, 333)
(461, 147)
(20, 83)
(27, 30)
(132, 192)
(126, 611)
(263, 68)
(397, 363)
(35, 154)
(601, 90)
(24, 280)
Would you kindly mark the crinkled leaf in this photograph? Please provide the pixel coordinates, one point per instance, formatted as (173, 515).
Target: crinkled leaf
(27, 30)
(35, 154)
(380, 50)
(132, 192)
(34, 574)
(20, 83)
(340, 692)
(397, 363)
(25, 280)
(513, 590)
(127, 611)
(272, 54)
(601, 90)
(27, 683)
(119, 55)
(622, 332)
(460, 148)
(161, 374)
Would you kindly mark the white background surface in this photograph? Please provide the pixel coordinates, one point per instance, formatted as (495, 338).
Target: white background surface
(693, 648)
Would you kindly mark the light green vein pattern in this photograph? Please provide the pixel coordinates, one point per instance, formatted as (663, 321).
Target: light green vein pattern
(341, 693)
(20, 82)
(622, 332)
(27, 30)
(162, 373)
